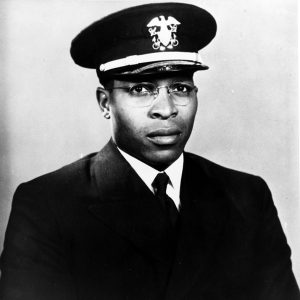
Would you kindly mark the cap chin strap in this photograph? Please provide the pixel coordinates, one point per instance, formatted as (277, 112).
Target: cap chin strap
(192, 57)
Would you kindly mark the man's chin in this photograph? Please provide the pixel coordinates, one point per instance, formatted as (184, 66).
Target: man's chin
(163, 158)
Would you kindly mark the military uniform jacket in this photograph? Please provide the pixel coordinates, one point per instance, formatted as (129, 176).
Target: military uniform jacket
(93, 230)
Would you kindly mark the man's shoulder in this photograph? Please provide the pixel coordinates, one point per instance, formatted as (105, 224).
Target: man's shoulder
(211, 167)
(75, 174)
(248, 193)
(227, 177)
(78, 177)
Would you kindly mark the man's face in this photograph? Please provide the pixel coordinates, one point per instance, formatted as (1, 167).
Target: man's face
(155, 134)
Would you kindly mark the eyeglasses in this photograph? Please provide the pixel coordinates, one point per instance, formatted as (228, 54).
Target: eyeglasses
(144, 94)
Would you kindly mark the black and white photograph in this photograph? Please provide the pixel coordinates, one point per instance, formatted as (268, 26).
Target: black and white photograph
(149, 150)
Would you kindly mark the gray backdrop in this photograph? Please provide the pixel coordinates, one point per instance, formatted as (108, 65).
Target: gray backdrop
(248, 108)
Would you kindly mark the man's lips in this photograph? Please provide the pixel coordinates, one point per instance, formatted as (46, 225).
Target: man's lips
(164, 136)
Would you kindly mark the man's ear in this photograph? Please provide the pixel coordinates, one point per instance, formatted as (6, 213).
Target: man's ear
(103, 98)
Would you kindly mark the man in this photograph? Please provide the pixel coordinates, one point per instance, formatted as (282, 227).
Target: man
(142, 219)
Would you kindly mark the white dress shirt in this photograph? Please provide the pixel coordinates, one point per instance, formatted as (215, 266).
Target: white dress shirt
(147, 174)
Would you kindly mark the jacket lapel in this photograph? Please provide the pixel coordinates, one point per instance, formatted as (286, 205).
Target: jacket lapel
(127, 206)
(203, 215)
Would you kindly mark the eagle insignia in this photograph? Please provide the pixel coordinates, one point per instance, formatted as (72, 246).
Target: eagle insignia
(163, 32)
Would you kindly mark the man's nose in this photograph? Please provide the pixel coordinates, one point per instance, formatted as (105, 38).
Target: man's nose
(163, 106)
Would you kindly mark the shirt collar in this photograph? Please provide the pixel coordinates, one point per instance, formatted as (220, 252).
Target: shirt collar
(147, 173)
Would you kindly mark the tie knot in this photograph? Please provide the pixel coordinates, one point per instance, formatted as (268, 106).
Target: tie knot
(160, 184)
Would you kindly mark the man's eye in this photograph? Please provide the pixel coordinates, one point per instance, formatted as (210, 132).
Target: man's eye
(140, 89)
(181, 88)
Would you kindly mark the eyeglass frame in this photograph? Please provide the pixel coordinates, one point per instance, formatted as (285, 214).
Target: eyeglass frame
(156, 89)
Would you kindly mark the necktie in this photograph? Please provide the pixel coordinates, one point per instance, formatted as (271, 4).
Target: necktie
(160, 185)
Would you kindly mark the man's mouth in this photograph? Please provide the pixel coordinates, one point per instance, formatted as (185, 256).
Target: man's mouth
(164, 136)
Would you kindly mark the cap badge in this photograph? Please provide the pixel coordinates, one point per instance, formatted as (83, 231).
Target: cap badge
(164, 32)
